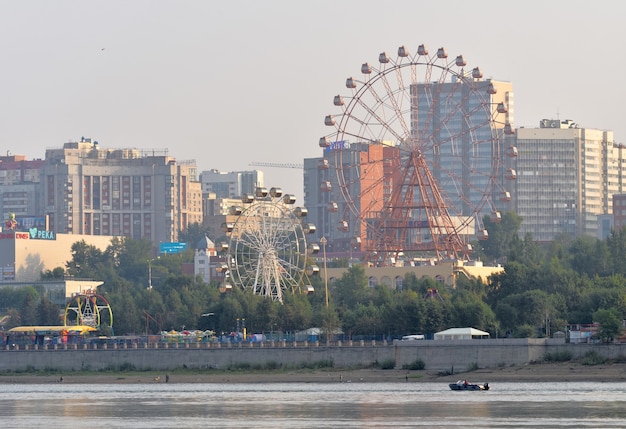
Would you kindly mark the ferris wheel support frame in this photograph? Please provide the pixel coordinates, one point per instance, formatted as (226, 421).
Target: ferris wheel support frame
(459, 121)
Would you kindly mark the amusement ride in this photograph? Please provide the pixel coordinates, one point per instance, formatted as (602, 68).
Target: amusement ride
(418, 149)
(267, 249)
(88, 309)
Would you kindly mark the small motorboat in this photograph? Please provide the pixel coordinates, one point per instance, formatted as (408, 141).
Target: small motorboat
(465, 385)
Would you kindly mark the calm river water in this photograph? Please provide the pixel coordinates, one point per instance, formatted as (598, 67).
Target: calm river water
(312, 405)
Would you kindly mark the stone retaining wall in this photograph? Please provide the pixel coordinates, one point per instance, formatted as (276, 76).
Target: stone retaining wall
(445, 355)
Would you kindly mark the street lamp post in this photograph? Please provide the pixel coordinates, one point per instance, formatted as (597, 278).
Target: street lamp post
(150, 274)
(323, 241)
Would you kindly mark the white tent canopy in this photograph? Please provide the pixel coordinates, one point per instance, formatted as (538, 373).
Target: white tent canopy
(314, 332)
(461, 334)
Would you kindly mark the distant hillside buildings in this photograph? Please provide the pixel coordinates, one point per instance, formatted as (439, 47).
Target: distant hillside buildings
(84, 189)
(566, 180)
(570, 180)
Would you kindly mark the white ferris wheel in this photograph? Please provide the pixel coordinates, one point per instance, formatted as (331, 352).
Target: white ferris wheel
(268, 251)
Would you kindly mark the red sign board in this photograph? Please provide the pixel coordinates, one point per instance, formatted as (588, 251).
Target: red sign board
(14, 236)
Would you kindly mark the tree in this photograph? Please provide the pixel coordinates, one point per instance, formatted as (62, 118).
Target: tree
(85, 259)
(610, 323)
(48, 312)
(406, 314)
(57, 273)
(193, 234)
(28, 305)
(296, 313)
(616, 244)
(589, 256)
(501, 234)
(330, 322)
(14, 318)
(134, 257)
(363, 320)
(351, 288)
(469, 310)
(435, 317)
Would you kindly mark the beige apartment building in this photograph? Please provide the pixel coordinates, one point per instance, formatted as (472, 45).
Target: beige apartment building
(145, 194)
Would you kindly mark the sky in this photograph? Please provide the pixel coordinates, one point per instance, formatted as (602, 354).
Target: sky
(232, 83)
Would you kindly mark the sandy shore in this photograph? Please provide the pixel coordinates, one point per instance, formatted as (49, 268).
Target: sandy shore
(554, 372)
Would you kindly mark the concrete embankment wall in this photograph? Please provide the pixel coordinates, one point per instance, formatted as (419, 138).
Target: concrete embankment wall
(446, 355)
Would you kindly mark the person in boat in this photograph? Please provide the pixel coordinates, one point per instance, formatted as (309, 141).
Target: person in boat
(465, 382)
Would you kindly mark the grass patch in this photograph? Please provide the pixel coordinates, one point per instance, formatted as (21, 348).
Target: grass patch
(275, 366)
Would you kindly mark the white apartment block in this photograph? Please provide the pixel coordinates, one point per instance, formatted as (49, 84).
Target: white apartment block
(230, 184)
(566, 178)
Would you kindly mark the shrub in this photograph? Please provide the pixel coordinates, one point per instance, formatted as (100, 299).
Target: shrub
(592, 358)
(388, 364)
(558, 356)
(127, 366)
(416, 365)
(245, 366)
(472, 366)
(272, 364)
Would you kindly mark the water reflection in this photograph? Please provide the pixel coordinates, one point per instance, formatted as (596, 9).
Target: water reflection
(310, 405)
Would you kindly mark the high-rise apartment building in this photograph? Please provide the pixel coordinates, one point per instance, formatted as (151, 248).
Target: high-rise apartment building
(19, 186)
(566, 178)
(232, 184)
(325, 202)
(465, 157)
(217, 212)
(126, 192)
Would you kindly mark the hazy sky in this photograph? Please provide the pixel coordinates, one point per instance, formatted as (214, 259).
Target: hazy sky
(233, 82)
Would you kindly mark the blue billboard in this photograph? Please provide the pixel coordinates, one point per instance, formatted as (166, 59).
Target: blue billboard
(172, 247)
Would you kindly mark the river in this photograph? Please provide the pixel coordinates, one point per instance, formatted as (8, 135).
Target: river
(312, 405)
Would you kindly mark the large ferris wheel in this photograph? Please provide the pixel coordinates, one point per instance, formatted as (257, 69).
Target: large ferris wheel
(268, 251)
(417, 147)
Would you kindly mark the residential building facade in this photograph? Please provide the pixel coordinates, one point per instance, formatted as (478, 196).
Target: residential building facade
(566, 179)
(119, 192)
(230, 184)
(19, 186)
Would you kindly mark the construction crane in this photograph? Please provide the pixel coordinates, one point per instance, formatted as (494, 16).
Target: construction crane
(277, 165)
